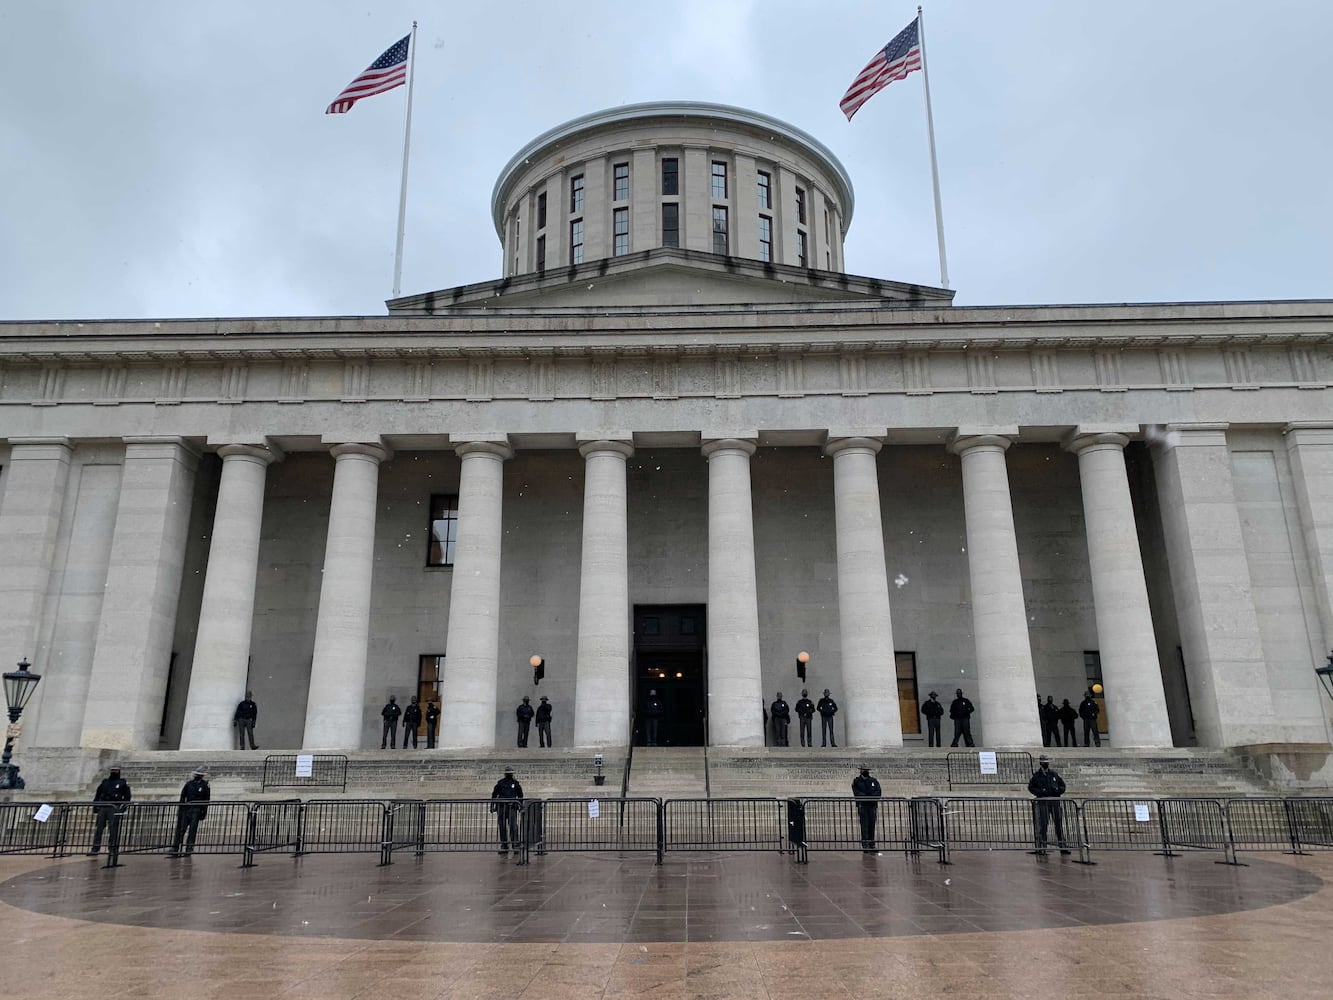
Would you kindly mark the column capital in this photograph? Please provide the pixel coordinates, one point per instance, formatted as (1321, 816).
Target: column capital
(1311, 432)
(713, 447)
(62, 443)
(965, 439)
(255, 452)
(170, 447)
(357, 448)
(606, 445)
(1082, 439)
(495, 448)
(842, 444)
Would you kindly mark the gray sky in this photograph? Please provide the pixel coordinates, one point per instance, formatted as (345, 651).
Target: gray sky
(166, 159)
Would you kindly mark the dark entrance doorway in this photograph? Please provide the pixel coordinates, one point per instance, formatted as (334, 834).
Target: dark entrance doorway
(669, 658)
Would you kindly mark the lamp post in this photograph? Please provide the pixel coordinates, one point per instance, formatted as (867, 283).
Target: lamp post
(19, 686)
(1325, 675)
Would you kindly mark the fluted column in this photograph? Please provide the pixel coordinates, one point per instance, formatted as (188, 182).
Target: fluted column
(601, 699)
(869, 674)
(132, 657)
(335, 704)
(226, 615)
(472, 646)
(735, 685)
(1006, 686)
(1126, 640)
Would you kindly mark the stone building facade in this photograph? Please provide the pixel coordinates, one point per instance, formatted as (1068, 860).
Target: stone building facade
(672, 468)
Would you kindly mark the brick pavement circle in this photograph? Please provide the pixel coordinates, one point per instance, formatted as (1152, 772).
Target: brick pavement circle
(609, 899)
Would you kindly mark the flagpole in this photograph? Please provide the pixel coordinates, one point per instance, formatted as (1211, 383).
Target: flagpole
(930, 131)
(407, 143)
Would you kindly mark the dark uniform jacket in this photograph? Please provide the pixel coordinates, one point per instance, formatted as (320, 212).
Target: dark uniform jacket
(506, 788)
(805, 708)
(1046, 784)
(865, 786)
(112, 790)
(1049, 713)
(931, 708)
(246, 710)
(652, 708)
(391, 711)
(781, 710)
(1088, 709)
(543, 712)
(196, 790)
(524, 712)
(1067, 713)
(432, 714)
(960, 708)
(828, 707)
(412, 717)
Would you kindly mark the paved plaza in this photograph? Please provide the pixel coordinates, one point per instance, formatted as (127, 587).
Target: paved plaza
(702, 925)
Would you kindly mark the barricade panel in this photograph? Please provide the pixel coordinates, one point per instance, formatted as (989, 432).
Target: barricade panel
(629, 824)
(1193, 824)
(20, 833)
(1312, 820)
(339, 826)
(1012, 767)
(851, 824)
(994, 824)
(327, 770)
(459, 825)
(161, 827)
(750, 824)
(1121, 824)
(1259, 824)
(277, 825)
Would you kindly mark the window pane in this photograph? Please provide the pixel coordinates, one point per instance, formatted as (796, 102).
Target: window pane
(576, 242)
(671, 225)
(541, 253)
(541, 210)
(800, 250)
(720, 244)
(622, 181)
(765, 190)
(443, 529)
(800, 205)
(671, 176)
(719, 180)
(576, 194)
(621, 218)
(765, 238)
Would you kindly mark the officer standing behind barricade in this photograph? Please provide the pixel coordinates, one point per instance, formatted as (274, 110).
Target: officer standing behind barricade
(652, 715)
(1047, 786)
(1050, 722)
(1088, 711)
(524, 715)
(389, 713)
(960, 710)
(805, 711)
(432, 723)
(932, 710)
(1068, 715)
(828, 708)
(505, 799)
(544, 723)
(113, 790)
(866, 787)
(781, 713)
(247, 712)
(411, 723)
(191, 812)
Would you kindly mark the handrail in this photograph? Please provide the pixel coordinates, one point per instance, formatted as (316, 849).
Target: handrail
(629, 760)
(708, 784)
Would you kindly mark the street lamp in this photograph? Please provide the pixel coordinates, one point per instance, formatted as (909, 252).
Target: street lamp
(802, 658)
(19, 686)
(1325, 675)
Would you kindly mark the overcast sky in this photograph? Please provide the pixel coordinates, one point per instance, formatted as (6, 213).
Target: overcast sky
(169, 159)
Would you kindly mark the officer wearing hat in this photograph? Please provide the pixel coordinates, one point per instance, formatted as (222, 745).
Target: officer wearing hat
(1046, 787)
(805, 711)
(544, 722)
(190, 812)
(113, 790)
(505, 799)
(828, 708)
(867, 788)
(524, 715)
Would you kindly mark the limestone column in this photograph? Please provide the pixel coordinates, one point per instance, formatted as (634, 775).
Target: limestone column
(132, 657)
(1007, 688)
(735, 685)
(226, 615)
(1210, 579)
(335, 704)
(1310, 450)
(29, 525)
(601, 698)
(1126, 639)
(472, 644)
(869, 672)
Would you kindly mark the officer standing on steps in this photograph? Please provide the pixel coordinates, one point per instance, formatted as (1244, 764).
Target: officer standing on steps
(828, 708)
(544, 722)
(1050, 721)
(652, 715)
(1047, 787)
(247, 712)
(411, 723)
(113, 790)
(524, 714)
(932, 710)
(1088, 710)
(1068, 716)
(389, 713)
(866, 787)
(505, 800)
(960, 710)
(432, 723)
(805, 711)
(781, 713)
(191, 812)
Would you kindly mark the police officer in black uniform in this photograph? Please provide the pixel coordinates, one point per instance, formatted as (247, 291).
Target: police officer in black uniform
(960, 710)
(505, 799)
(781, 713)
(652, 715)
(1050, 721)
(805, 711)
(190, 813)
(828, 708)
(932, 710)
(247, 712)
(544, 722)
(1046, 786)
(866, 787)
(1068, 715)
(524, 714)
(1088, 710)
(411, 723)
(389, 713)
(432, 723)
(113, 790)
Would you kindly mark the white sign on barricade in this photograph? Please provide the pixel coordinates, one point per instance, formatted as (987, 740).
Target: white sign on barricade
(1141, 812)
(305, 765)
(986, 761)
(43, 814)
(594, 809)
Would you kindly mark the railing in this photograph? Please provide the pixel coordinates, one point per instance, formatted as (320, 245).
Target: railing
(750, 824)
(551, 825)
(1012, 767)
(629, 754)
(864, 824)
(327, 770)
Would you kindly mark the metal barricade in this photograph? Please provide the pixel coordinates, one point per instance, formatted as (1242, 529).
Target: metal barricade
(1261, 825)
(22, 833)
(1196, 825)
(1120, 825)
(341, 826)
(1012, 767)
(457, 825)
(1312, 822)
(856, 824)
(743, 824)
(184, 828)
(625, 824)
(1010, 824)
(327, 770)
(273, 826)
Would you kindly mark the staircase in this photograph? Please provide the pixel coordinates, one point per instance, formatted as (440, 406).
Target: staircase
(668, 773)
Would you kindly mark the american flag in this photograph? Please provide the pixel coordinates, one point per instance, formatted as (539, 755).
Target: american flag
(385, 73)
(893, 62)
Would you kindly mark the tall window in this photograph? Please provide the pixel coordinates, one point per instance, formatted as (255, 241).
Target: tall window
(541, 210)
(621, 192)
(800, 206)
(828, 260)
(908, 706)
(826, 237)
(719, 229)
(671, 176)
(765, 238)
(430, 671)
(670, 225)
(576, 242)
(541, 253)
(621, 220)
(765, 190)
(576, 194)
(719, 180)
(443, 529)
(801, 255)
